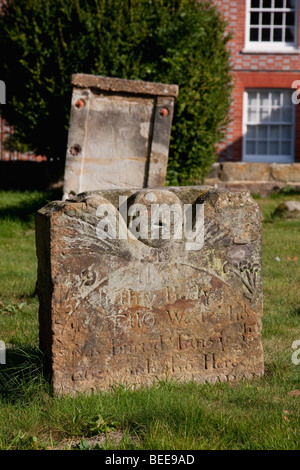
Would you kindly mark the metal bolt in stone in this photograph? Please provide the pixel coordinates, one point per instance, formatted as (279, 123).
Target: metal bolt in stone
(164, 112)
(80, 103)
(75, 149)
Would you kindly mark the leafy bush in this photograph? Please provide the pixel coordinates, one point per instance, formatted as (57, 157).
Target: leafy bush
(172, 41)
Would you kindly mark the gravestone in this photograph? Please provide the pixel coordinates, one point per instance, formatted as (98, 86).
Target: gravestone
(138, 285)
(288, 209)
(119, 134)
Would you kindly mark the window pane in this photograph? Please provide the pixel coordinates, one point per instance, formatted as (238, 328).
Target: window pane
(264, 115)
(275, 99)
(265, 34)
(253, 34)
(252, 115)
(286, 132)
(290, 3)
(277, 34)
(290, 19)
(252, 99)
(264, 99)
(287, 98)
(285, 148)
(271, 115)
(274, 148)
(286, 115)
(250, 148)
(254, 18)
(275, 115)
(274, 132)
(278, 19)
(262, 148)
(251, 132)
(263, 132)
(266, 18)
(289, 35)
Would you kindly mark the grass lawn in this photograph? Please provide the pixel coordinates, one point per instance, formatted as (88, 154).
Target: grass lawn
(259, 414)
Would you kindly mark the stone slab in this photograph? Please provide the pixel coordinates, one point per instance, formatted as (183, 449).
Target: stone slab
(119, 85)
(119, 134)
(135, 310)
(287, 173)
(262, 188)
(242, 171)
(257, 178)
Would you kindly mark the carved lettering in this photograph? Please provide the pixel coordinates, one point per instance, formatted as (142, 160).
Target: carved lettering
(132, 310)
(137, 319)
(118, 347)
(176, 317)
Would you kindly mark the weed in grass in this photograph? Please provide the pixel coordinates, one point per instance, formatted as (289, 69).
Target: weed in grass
(83, 444)
(99, 425)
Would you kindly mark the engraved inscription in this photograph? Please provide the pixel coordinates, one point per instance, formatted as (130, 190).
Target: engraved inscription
(123, 311)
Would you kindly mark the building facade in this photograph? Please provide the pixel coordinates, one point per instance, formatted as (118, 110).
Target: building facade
(265, 61)
(9, 154)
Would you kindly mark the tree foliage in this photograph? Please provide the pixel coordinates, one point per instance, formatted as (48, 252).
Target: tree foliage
(43, 43)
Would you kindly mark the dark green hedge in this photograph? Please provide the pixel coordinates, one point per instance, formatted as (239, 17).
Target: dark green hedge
(44, 42)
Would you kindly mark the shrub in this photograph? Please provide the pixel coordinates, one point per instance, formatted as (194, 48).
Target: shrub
(172, 41)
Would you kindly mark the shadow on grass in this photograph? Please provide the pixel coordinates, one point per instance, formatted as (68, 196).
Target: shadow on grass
(286, 191)
(295, 312)
(25, 209)
(22, 375)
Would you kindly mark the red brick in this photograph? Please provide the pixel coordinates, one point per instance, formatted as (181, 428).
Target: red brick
(263, 70)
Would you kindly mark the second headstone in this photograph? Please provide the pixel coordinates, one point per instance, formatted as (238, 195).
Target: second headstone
(119, 134)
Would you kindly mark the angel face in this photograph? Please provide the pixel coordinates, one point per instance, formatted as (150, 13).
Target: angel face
(156, 217)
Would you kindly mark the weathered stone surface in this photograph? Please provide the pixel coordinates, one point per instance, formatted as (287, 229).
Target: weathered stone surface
(134, 310)
(257, 178)
(263, 188)
(288, 209)
(119, 85)
(214, 172)
(242, 171)
(119, 134)
(288, 173)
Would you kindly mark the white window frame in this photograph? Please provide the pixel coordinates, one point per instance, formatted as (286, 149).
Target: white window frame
(270, 46)
(267, 158)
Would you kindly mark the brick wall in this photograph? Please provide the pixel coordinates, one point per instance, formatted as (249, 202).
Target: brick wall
(254, 70)
(10, 155)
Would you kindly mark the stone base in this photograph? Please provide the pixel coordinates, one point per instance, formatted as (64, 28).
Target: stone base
(257, 178)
